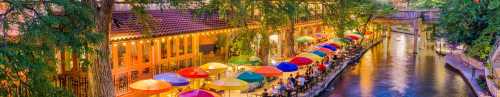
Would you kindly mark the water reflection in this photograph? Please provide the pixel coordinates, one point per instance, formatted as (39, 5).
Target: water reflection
(392, 70)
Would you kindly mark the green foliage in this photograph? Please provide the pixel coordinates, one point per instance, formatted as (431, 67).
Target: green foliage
(27, 61)
(481, 47)
(342, 15)
(427, 4)
(474, 24)
(346, 15)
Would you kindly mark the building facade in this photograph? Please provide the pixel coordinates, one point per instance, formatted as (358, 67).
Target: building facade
(177, 40)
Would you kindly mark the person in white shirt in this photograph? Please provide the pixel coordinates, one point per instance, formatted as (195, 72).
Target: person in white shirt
(302, 82)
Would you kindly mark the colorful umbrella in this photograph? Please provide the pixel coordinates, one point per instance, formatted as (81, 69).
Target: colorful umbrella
(151, 86)
(249, 76)
(254, 60)
(311, 56)
(320, 35)
(358, 33)
(304, 39)
(214, 67)
(322, 67)
(319, 53)
(192, 72)
(172, 78)
(353, 36)
(301, 61)
(242, 59)
(268, 71)
(332, 44)
(228, 84)
(329, 47)
(287, 67)
(340, 40)
(325, 50)
(198, 93)
(336, 44)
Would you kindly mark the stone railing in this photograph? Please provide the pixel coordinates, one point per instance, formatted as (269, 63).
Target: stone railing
(492, 84)
(494, 52)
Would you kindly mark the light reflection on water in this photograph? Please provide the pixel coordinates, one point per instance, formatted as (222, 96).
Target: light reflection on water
(390, 69)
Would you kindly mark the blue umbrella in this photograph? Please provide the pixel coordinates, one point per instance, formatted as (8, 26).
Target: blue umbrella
(319, 53)
(172, 78)
(329, 47)
(287, 67)
(249, 76)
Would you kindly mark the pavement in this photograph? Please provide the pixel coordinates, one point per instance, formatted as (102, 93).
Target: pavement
(470, 69)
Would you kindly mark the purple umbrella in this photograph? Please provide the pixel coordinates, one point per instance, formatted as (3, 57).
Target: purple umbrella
(172, 78)
(198, 93)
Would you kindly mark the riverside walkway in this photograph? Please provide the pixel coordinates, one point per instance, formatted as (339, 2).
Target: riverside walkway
(322, 85)
(470, 70)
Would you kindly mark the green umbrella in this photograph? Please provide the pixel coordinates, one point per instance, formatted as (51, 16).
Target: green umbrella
(341, 40)
(304, 39)
(239, 60)
(254, 60)
(249, 76)
(359, 33)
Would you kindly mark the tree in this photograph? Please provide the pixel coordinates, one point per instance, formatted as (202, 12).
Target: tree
(272, 14)
(471, 23)
(102, 82)
(32, 33)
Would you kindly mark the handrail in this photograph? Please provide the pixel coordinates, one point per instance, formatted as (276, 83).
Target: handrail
(496, 45)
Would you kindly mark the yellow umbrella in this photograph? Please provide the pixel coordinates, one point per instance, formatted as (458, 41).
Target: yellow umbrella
(214, 67)
(228, 84)
(311, 56)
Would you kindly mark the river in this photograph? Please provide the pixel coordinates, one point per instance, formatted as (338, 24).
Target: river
(391, 69)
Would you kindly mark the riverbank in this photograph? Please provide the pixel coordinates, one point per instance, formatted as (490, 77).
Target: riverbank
(322, 85)
(469, 70)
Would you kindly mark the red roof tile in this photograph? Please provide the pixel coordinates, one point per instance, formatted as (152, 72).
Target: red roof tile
(165, 22)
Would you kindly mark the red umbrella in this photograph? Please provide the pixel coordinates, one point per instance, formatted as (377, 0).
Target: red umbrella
(301, 61)
(322, 67)
(325, 50)
(193, 72)
(353, 36)
(268, 71)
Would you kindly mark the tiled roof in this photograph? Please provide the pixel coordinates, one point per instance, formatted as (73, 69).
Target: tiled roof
(166, 22)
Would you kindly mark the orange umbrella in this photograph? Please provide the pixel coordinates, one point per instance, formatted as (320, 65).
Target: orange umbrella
(151, 86)
(268, 71)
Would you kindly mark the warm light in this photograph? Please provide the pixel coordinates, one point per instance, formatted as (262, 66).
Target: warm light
(124, 43)
(133, 42)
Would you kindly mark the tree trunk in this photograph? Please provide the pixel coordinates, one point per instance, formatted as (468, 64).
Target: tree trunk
(63, 61)
(75, 61)
(101, 75)
(290, 39)
(264, 48)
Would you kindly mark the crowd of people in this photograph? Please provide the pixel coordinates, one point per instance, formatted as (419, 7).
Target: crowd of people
(300, 83)
(295, 84)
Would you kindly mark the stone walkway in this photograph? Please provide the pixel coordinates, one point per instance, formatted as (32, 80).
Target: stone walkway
(465, 67)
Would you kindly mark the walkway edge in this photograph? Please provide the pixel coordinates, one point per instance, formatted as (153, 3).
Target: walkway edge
(318, 88)
(451, 61)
